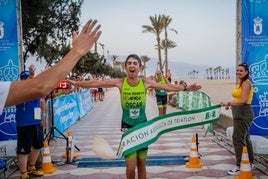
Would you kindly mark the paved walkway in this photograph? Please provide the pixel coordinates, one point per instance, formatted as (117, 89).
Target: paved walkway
(105, 120)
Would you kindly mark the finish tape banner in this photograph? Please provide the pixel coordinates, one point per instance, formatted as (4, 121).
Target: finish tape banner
(146, 133)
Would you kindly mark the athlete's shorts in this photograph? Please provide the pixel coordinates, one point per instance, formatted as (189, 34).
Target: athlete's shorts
(100, 90)
(142, 153)
(125, 126)
(161, 100)
(28, 137)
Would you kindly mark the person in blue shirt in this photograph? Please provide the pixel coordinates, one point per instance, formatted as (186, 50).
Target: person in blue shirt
(30, 136)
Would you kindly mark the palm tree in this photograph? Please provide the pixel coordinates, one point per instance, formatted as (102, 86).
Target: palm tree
(222, 73)
(156, 28)
(210, 70)
(207, 70)
(144, 59)
(219, 72)
(167, 44)
(227, 73)
(215, 70)
(193, 74)
(166, 20)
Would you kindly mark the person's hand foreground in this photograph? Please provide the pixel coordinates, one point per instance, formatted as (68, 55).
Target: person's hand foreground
(83, 42)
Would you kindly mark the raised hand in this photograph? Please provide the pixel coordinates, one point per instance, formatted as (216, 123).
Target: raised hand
(83, 42)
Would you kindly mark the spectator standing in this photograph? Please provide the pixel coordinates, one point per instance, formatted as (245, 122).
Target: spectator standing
(29, 132)
(242, 116)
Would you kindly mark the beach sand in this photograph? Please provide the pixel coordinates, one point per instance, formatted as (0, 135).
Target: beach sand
(218, 90)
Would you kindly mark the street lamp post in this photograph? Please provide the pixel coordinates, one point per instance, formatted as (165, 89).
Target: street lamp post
(102, 46)
(108, 57)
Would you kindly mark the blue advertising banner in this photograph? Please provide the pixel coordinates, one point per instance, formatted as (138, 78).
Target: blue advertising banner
(255, 54)
(67, 109)
(85, 102)
(65, 112)
(9, 63)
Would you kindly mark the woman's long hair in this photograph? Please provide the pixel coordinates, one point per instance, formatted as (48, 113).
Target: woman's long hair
(245, 66)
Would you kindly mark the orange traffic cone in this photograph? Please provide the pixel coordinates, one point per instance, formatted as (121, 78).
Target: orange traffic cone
(245, 169)
(194, 159)
(47, 166)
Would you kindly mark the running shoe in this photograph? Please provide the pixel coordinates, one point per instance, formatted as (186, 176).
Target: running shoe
(234, 171)
(35, 172)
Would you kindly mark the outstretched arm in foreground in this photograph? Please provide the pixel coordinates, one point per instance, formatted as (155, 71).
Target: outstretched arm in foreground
(45, 82)
(98, 83)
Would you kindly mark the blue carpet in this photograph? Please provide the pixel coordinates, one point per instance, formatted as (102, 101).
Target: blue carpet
(151, 161)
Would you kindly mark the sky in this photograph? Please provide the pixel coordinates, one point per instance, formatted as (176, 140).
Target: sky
(206, 28)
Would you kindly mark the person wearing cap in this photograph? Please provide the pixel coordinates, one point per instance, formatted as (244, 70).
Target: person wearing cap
(32, 88)
(29, 127)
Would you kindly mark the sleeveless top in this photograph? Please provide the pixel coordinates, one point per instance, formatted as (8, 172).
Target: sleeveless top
(161, 92)
(28, 113)
(237, 94)
(133, 103)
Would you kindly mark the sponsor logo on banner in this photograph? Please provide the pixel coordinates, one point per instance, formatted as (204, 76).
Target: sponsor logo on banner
(257, 25)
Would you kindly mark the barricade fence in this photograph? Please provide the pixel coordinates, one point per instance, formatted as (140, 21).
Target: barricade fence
(64, 111)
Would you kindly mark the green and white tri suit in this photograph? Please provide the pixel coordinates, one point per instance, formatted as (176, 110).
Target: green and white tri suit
(133, 103)
(161, 95)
